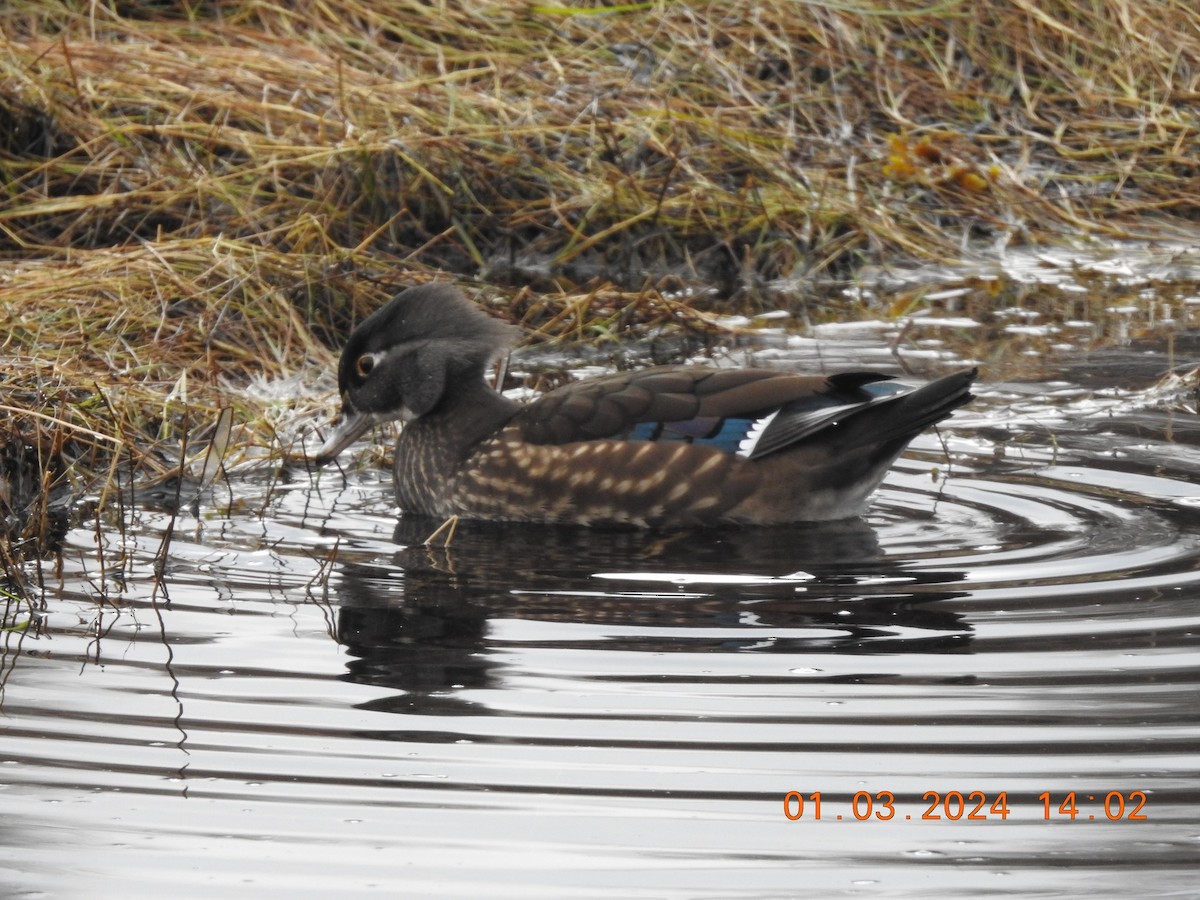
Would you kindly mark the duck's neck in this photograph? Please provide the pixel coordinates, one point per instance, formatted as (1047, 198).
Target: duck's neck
(433, 448)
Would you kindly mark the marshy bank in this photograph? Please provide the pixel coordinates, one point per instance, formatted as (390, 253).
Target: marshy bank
(201, 199)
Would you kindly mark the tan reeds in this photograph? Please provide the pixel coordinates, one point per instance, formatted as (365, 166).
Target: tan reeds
(762, 138)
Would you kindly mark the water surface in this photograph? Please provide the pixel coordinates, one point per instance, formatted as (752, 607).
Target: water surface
(310, 703)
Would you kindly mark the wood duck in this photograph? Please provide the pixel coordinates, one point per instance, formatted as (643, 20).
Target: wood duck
(664, 446)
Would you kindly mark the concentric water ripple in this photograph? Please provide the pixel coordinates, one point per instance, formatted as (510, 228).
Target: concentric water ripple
(989, 683)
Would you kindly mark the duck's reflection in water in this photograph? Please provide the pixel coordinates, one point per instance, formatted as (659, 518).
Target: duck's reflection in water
(419, 621)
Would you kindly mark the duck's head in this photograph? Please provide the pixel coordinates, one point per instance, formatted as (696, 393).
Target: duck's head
(404, 360)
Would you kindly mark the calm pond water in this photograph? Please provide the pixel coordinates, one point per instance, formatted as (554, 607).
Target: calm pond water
(992, 684)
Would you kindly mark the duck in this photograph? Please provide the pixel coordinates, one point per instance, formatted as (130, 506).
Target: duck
(664, 446)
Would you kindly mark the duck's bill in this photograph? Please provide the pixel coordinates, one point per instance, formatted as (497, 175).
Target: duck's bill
(349, 427)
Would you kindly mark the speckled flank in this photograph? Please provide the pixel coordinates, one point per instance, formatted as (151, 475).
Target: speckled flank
(596, 482)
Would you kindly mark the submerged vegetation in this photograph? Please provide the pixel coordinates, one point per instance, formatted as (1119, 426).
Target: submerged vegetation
(206, 194)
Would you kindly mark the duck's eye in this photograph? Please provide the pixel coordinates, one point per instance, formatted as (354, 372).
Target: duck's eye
(364, 364)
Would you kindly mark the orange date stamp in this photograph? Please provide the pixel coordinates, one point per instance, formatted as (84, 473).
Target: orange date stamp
(969, 806)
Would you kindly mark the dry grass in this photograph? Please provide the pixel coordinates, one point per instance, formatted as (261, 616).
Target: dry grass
(195, 193)
(738, 142)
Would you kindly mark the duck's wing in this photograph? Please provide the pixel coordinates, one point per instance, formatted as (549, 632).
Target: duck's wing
(857, 412)
(751, 412)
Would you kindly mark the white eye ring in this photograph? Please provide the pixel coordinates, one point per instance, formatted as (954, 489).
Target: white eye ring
(364, 365)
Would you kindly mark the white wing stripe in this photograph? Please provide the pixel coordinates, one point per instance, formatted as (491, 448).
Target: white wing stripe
(750, 441)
